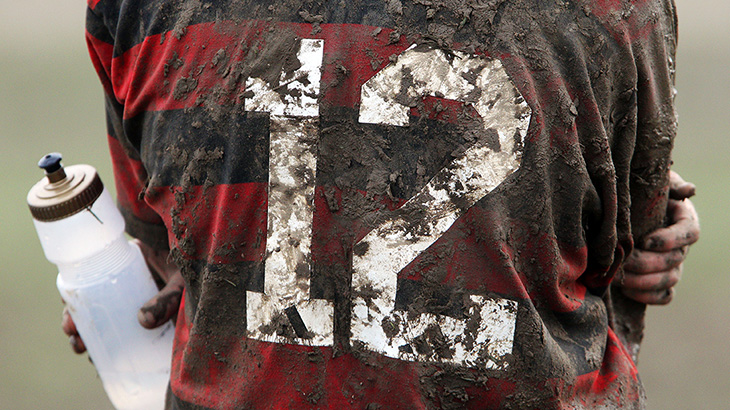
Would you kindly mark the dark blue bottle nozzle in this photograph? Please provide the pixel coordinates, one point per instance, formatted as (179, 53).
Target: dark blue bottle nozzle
(51, 163)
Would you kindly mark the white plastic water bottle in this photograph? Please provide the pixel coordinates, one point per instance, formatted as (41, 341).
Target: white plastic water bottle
(104, 280)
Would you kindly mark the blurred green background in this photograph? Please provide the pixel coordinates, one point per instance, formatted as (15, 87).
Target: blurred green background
(50, 100)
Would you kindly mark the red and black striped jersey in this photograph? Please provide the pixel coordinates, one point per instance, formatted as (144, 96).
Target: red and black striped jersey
(391, 204)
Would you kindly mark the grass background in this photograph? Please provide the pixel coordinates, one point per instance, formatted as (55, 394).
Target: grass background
(50, 100)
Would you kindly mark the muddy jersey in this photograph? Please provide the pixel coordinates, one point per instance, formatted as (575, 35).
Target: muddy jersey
(391, 204)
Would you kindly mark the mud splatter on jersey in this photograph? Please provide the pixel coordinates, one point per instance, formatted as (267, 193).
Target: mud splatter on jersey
(391, 204)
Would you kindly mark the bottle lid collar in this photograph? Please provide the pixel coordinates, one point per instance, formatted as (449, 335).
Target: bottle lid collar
(64, 191)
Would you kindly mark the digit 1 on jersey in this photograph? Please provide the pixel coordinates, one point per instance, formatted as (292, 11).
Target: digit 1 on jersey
(484, 334)
(284, 313)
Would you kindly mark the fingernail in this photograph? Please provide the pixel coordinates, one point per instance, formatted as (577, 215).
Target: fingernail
(146, 318)
(150, 318)
(652, 243)
(76, 344)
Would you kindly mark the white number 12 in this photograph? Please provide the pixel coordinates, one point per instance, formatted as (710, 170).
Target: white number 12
(485, 334)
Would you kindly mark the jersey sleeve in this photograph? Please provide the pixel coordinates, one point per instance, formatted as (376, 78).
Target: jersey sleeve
(130, 176)
(653, 127)
(656, 125)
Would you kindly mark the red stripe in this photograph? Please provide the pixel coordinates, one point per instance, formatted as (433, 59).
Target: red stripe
(333, 230)
(101, 57)
(146, 77)
(237, 214)
(478, 261)
(542, 252)
(473, 257)
(244, 373)
(129, 178)
(241, 373)
(476, 257)
(599, 388)
(472, 251)
(361, 52)
(226, 223)
(92, 3)
(627, 22)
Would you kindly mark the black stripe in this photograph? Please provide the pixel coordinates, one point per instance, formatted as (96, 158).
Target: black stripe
(151, 234)
(172, 138)
(237, 277)
(115, 128)
(248, 275)
(139, 19)
(385, 160)
(175, 403)
(96, 27)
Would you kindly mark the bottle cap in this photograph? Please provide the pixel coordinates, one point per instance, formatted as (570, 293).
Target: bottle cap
(63, 192)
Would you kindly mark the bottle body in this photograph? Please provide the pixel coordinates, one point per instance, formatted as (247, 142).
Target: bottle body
(104, 280)
(133, 363)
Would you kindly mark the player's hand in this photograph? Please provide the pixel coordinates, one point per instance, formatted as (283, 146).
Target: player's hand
(157, 311)
(655, 266)
(163, 306)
